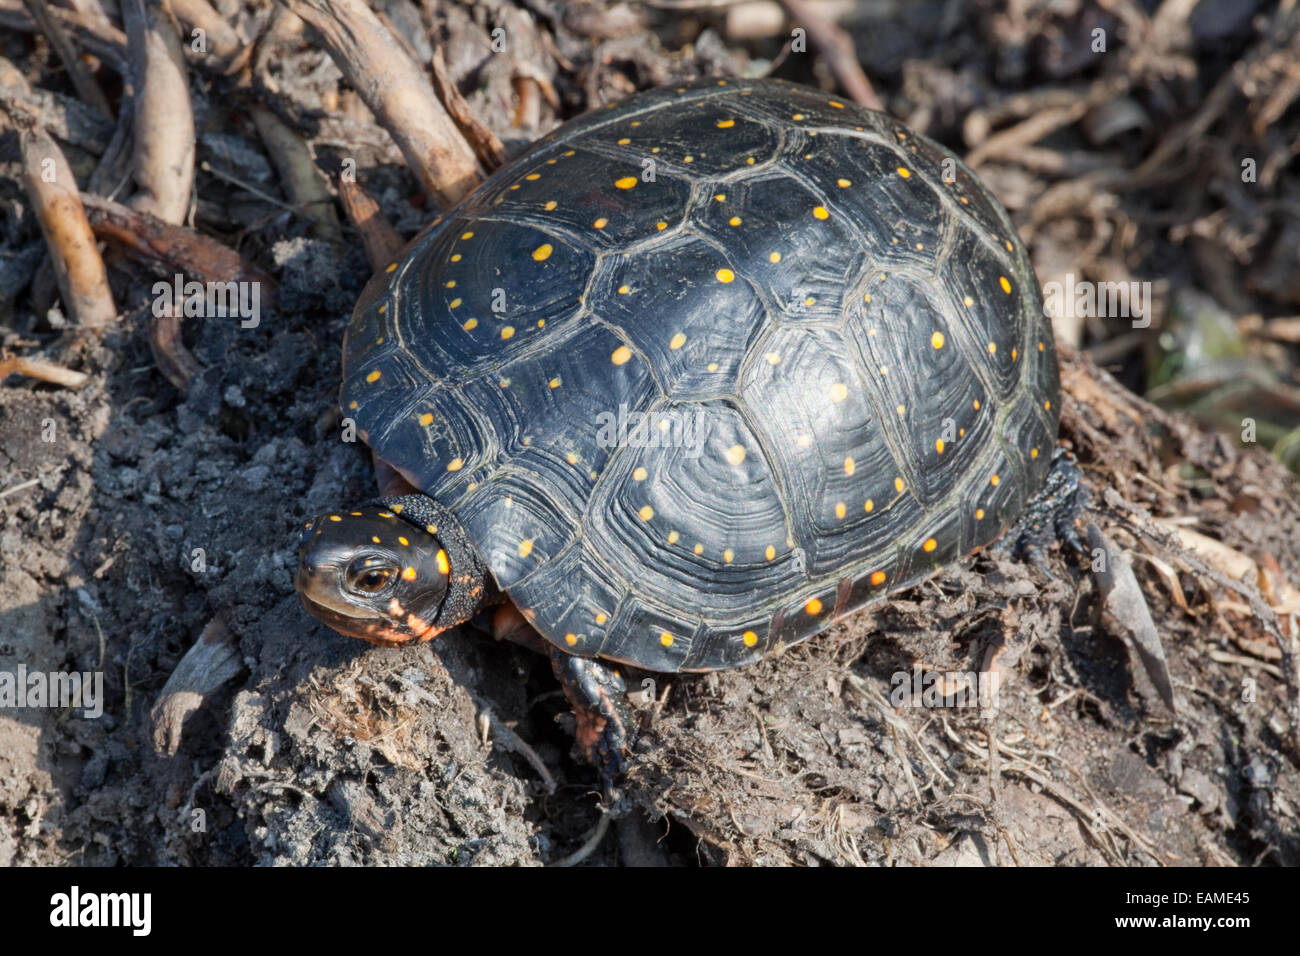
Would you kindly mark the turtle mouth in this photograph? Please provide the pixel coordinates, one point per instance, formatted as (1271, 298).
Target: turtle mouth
(397, 630)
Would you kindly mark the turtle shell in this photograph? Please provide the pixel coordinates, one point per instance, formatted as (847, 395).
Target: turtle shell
(705, 369)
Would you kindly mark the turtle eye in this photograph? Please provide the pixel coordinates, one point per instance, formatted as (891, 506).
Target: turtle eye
(369, 575)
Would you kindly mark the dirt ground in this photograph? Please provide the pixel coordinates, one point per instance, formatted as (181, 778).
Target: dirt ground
(321, 750)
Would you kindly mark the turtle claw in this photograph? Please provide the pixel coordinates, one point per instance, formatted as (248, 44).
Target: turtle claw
(605, 722)
(1051, 515)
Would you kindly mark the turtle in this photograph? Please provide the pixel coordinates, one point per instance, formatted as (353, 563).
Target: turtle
(691, 378)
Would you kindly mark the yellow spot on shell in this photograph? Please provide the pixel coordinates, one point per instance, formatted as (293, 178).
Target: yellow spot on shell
(383, 309)
(677, 341)
(601, 223)
(623, 290)
(639, 474)
(470, 325)
(508, 332)
(773, 358)
(1033, 453)
(728, 555)
(467, 235)
(374, 538)
(646, 512)
(403, 542)
(813, 607)
(426, 418)
(979, 514)
(661, 226)
(1040, 346)
(993, 348)
(844, 183)
(666, 639)
(725, 275)
(994, 481)
(543, 252)
(712, 366)
(726, 124)
(456, 464)
(444, 566)
(533, 177)
(373, 376)
(621, 355)
(554, 383)
(600, 617)
(821, 212)
(750, 638)
(869, 506)
(967, 301)
(938, 445)
(392, 267)
(734, 221)
(937, 340)
(735, 454)
(898, 485)
(904, 172)
(455, 303)
(525, 547)
(699, 548)
(849, 466)
(570, 639)
(550, 205)
(673, 537)
(408, 573)
(878, 578)
(839, 392)
(627, 182)
(840, 509)
(774, 257)
(1005, 283)
(976, 404)
(1047, 406)
(770, 552)
(332, 518)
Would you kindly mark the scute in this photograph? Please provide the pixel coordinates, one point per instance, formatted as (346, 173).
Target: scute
(701, 371)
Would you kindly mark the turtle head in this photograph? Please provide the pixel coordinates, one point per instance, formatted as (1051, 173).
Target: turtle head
(373, 575)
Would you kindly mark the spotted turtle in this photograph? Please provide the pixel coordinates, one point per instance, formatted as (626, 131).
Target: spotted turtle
(693, 377)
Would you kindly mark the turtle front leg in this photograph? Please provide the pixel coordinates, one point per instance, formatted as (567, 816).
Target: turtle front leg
(606, 724)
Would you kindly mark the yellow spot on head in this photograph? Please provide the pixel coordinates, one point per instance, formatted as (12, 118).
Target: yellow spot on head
(621, 355)
(627, 182)
(930, 544)
(392, 267)
(735, 454)
(725, 275)
(408, 573)
(543, 252)
(444, 566)
(839, 392)
(431, 528)
(750, 638)
(821, 212)
(813, 607)
(373, 376)
(646, 512)
(525, 547)
(677, 341)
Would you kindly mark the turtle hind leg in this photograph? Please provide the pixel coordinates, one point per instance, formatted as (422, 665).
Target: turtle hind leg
(1050, 515)
(605, 722)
